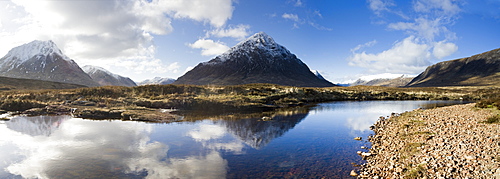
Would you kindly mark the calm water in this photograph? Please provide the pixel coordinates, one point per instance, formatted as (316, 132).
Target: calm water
(298, 143)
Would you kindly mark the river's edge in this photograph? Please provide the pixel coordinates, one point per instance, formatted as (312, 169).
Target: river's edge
(446, 142)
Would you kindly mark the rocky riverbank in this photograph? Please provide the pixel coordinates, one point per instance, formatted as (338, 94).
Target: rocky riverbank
(447, 142)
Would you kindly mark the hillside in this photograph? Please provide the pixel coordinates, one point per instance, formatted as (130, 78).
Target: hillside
(7, 83)
(477, 70)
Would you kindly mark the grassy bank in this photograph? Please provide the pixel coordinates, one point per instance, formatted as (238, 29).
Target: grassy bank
(258, 97)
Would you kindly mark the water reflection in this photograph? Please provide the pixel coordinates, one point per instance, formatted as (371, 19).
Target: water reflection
(257, 133)
(95, 149)
(42, 125)
(294, 143)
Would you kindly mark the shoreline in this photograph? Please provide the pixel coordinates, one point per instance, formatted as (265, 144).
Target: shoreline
(445, 142)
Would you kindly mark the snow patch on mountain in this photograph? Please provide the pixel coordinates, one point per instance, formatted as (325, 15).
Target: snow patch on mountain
(35, 48)
(260, 41)
(157, 81)
(90, 69)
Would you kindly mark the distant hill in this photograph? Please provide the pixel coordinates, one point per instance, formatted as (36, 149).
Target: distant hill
(43, 60)
(7, 83)
(387, 82)
(477, 70)
(258, 59)
(157, 81)
(106, 78)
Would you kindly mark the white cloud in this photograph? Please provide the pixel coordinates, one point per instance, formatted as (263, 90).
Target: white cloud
(378, 6)
(216, 12)
(367, 44)
(209, 47)
(189, 68)
(126, 148)
(239, 32)
(298, 3)
(119, 32)
(207, 132)
(443, 49)
(293, 17)
(426, 23)
(408, 56)
(445, 7)
(422, 27)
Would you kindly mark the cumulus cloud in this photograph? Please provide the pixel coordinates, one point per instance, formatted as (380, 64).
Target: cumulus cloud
(209, 47)
(216, 12)
(108, 32)
(443, 49)
(407, 56)
(429, 37)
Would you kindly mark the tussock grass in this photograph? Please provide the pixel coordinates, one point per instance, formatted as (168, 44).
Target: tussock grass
(237, 96)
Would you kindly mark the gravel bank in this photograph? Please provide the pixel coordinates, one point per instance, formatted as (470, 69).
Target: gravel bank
(447, 142)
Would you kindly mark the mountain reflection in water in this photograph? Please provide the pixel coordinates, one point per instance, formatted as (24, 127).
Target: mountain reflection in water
(295, 143)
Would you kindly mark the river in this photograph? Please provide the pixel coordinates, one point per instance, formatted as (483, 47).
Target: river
(304, 142)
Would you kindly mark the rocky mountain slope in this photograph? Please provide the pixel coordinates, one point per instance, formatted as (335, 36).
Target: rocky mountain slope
(258, 59)
(157, 81)
(106, 78)
(43, 60)
(478, 70)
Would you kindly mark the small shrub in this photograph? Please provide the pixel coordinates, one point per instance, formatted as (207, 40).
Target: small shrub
(493, 119)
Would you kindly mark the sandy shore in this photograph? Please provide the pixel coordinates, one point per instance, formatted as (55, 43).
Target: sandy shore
(448, 142)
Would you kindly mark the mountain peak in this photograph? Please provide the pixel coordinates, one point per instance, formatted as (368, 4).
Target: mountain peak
(260, 42)
(35, 48)
(258, 59)
(260, 38)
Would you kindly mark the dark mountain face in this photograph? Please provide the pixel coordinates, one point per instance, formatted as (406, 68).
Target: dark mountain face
(478, 70)
(42, 60)
(106, 78)
(256, 60)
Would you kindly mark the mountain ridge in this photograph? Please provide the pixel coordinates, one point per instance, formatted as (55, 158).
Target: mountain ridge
(43, 60)
(258, 59)
(477, 70)
(106, 78)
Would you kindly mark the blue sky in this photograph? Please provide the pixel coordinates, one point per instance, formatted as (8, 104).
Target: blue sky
(343, 39)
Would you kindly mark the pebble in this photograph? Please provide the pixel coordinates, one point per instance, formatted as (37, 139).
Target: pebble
(447, 142)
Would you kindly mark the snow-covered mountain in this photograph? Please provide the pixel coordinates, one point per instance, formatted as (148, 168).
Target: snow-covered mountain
(43, 60)
(106, 78)
(258, 59)
(388, 82)
(157, 81)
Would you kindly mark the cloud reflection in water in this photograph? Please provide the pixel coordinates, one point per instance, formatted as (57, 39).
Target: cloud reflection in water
(81, 149)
